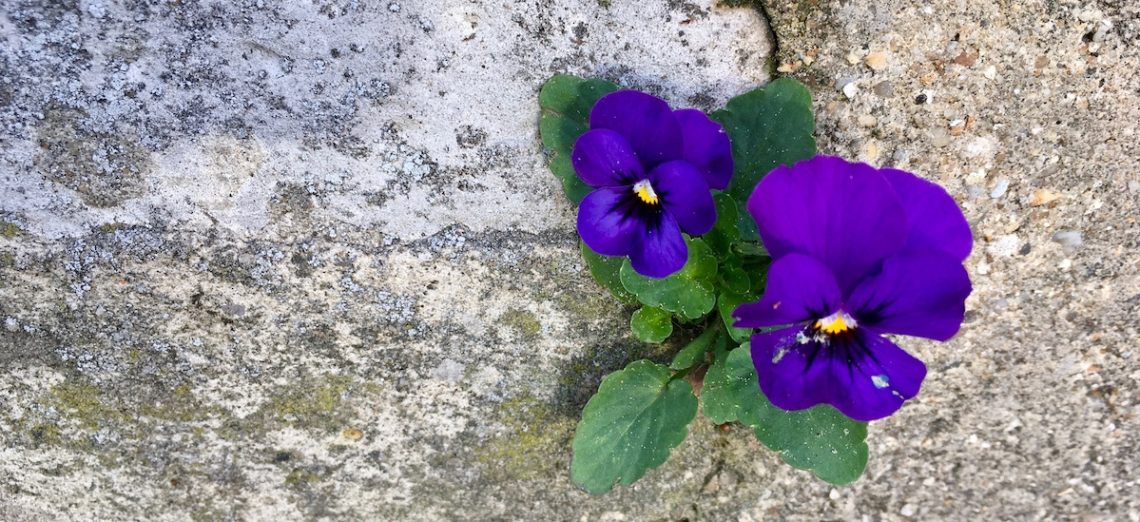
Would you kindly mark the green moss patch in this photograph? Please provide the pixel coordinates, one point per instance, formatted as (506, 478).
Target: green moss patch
(534, 436)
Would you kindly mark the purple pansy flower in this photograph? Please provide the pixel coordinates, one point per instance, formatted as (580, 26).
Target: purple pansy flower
(858, 252)
(652, 168)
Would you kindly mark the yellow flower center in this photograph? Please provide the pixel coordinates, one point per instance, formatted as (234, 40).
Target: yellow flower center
(644, 191)
(836, 323)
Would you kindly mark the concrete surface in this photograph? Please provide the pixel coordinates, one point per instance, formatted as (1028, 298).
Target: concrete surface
(302, 260)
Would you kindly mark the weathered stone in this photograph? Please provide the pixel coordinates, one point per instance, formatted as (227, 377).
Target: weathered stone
(303, 260)
(105, 168)
(264, 260)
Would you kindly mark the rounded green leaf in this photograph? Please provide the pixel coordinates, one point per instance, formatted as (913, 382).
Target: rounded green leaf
(727, 302)
(637, 417)
(730, 392)
(689, 293)
(725, 231)
(818, 439)
(565, 102)
(651, 325)
(605, 270)
(733, 277)
(768, 126)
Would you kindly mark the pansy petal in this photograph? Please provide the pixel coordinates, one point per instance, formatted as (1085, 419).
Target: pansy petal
(799, 288)
(934, 221)
(705, 145)
(791, 367)
(920, 294)
(603, 158)
(683, 193)
(660, 248)
(844, 214)
(864, 376)
(644, 120)
(607, 221)
(879, 378)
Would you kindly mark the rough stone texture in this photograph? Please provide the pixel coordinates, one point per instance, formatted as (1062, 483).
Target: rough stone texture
(284, 260)
(302, 260)
(1028, 112)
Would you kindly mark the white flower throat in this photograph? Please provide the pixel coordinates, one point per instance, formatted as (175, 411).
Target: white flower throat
(644, 191)
(836, 323)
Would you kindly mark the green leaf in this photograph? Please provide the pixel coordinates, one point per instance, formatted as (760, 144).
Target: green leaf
(741, 282)
(688, 293)
(733, 277)
(565, 102)
(730, 392)
(651, 325)
(726, 303)
(605, 270)
(769, 126)
(725, 231)
(638, 415)
(757, 270)
(694, 352)
(818, 439)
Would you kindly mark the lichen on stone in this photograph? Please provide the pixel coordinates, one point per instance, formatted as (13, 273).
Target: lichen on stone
(321, 403)
(104, 167)
(527, 445)
(9, 230)
(84, 404)
(522, 322)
